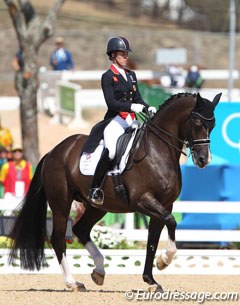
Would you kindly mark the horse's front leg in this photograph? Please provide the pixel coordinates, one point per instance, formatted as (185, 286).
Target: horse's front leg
(167, 255)
(154, 231)
(160, 216)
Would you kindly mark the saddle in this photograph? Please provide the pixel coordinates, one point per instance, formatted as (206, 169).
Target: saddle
(122, 144)
(121, 148)
(126, 144)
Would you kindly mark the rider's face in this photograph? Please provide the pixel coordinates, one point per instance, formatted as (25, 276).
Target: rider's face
(121, 58)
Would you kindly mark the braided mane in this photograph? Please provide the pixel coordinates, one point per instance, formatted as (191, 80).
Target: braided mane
(175, 97)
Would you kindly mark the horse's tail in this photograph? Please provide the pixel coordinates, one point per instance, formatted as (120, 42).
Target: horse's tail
(29, 231)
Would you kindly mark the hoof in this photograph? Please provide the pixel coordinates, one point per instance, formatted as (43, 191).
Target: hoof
(160, 263)
(155, 288)
(77, 286)
(97, 277)
(153, 285)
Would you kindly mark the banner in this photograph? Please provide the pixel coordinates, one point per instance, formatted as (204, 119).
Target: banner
(152, 95)
(225, 137)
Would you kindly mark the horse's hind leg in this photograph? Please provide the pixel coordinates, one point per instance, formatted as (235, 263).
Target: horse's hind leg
(82, 230)
(59, 245)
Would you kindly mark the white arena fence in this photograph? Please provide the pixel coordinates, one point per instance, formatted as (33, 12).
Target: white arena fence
(132, 261)
(223, 262)
(52, 82)
(51, 91)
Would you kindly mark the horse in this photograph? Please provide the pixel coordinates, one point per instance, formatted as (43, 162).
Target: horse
(184, 119)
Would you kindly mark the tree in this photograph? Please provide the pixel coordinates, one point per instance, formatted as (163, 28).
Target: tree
(135, 8)
(210, 16)
(31, 32)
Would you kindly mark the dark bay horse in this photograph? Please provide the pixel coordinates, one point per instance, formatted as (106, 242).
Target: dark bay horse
(153, 184)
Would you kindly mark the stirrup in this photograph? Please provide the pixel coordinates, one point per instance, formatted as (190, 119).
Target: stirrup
(96, 195)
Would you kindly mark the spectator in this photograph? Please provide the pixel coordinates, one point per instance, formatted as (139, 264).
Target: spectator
(61, 58)
(3, 156)
(6, 138)
(176, 77)
(194, 79)
(16, 174)
(3, 159)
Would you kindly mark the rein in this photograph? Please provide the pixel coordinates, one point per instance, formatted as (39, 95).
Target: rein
(150, 125)
(189, 143)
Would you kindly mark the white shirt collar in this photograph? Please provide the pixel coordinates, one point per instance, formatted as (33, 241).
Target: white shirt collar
(121, 71)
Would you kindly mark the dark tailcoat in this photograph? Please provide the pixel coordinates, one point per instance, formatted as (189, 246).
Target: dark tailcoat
(119, 94)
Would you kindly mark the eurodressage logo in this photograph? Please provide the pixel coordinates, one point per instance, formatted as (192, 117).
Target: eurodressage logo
(198, 297)
(225, 138)
(226, 128)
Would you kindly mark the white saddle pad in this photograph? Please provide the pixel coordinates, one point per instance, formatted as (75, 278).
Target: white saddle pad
(88, 162)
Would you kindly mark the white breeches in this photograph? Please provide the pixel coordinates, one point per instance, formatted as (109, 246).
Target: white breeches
(113, 131)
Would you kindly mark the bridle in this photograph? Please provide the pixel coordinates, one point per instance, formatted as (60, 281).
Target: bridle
(208, 123)
(190, 143)
(158, 132)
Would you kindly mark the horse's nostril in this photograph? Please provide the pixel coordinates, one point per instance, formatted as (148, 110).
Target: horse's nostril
(202, 161)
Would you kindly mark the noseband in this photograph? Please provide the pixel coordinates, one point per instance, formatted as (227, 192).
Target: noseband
(208, 123)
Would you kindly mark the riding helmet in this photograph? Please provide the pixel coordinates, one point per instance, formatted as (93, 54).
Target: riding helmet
(117, 44)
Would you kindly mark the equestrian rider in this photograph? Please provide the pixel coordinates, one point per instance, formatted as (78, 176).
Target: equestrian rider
(123, 100)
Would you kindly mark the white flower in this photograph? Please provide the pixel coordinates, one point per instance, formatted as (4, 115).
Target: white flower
(106, 238)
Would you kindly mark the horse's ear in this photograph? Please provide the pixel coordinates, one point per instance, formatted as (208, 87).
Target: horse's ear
(216, 99)
(200, 101)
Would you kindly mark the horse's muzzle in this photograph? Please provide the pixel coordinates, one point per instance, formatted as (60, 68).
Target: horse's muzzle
(200, 160)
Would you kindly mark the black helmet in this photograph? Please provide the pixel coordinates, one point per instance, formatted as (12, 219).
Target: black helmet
(118, 44)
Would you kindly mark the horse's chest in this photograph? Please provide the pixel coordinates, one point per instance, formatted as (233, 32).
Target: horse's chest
(168, 182)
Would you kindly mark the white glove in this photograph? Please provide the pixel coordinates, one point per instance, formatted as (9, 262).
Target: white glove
(137, 108)
(152, 109)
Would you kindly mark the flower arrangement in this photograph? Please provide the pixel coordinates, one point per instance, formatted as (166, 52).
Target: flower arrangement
(105, 238)
(5, 242)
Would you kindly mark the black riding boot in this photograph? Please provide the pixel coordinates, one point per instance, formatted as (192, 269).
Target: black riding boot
(96, 194)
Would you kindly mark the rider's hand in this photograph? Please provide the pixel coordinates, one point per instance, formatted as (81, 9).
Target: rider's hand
(152, 109)
(137, 108)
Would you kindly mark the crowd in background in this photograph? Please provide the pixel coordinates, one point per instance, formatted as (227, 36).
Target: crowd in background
(15, 171)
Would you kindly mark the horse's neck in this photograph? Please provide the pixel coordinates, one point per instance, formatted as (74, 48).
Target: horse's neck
(172, 119)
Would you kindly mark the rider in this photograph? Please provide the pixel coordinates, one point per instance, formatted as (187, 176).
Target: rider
(123, 100)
